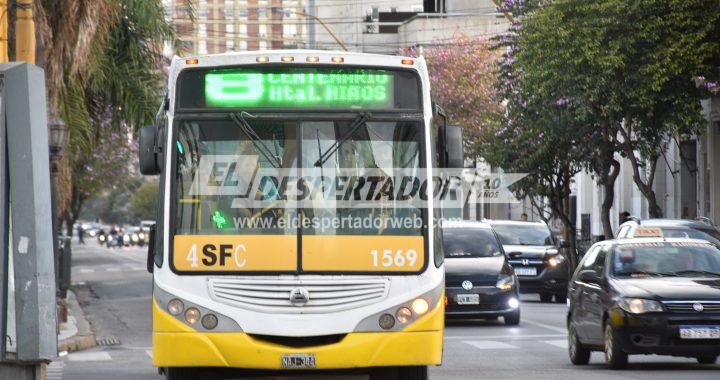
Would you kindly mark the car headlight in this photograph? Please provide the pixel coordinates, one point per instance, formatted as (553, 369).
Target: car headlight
(505, 282)
(556, 260)
(551, 251)
(640, 306)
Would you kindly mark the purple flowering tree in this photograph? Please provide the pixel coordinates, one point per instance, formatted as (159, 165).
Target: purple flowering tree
(462, 75)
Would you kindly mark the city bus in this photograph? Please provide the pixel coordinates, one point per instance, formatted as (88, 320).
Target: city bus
(277, 246)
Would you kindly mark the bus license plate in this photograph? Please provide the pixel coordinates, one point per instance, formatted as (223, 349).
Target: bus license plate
(298, 361)
(700, 332)
(468, 299)
(526, 271)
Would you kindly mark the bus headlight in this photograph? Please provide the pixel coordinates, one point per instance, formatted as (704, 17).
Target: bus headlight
(209, 321)
(386, 321)
(192, 315)
(403, 315)
(175, 306)
(420, 306)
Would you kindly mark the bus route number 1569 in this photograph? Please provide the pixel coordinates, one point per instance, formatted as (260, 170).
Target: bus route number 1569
(388, 258)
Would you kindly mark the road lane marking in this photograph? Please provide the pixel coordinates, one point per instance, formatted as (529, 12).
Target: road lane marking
(545, 326)
(557, 343)
(149, 353)
(505, 337)
(112, 269)
(86, 270)
(489, 344)
(89, 357)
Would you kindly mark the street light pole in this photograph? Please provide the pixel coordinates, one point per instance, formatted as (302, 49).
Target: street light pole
(57, 142)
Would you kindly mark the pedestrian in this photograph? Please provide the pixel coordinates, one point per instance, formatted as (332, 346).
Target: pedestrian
(524, 217)
(81, 234)
(624, 217)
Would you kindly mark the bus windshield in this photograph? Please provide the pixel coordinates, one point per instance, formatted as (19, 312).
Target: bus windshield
(261, 181)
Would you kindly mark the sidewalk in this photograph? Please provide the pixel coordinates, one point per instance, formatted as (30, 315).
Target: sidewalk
(75, 334)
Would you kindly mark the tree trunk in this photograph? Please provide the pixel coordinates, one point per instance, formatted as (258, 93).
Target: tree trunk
(644, 185)
(608, 182)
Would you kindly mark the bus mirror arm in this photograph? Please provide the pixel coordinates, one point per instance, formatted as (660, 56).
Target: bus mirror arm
(151, 251)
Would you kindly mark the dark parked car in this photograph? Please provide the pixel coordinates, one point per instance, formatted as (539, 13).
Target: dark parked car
(479, 282)
(680, 228)
(535, 254)
(646, 296)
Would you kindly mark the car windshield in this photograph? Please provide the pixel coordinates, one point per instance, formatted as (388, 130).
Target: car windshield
(686, 259)
(524, 234)
(470, 242)
(692, 233)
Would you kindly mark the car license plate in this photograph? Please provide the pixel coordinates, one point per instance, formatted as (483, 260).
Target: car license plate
(526, 271)
(298, 361)
(468, 299)
(700, 332)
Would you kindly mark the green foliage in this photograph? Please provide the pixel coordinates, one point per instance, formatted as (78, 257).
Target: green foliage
(586, 80)
(118, 91)
(143, 202)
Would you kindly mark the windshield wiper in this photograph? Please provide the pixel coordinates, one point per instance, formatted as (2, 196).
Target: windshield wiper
(678, 273)
(357, 123)
(255, 138)
(645, 273)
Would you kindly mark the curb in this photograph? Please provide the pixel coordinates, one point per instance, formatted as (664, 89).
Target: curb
(85, 337)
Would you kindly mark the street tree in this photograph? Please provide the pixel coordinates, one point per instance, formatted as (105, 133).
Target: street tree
(144, 201)
(104, 74)
(630, 68)
(462, 74)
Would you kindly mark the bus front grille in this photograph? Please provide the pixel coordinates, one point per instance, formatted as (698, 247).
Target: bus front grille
(323, 295)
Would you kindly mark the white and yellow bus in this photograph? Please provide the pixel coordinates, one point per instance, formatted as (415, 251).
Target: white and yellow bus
(265, 256)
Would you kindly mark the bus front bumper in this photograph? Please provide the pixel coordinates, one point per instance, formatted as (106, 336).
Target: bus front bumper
(185, 347)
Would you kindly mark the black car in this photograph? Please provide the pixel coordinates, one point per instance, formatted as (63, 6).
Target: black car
(535, 254)
(671, 228)
(479, 282)
(646, 296)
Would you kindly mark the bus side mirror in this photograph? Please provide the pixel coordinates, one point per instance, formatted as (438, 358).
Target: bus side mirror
(148, 150)
(454, 146)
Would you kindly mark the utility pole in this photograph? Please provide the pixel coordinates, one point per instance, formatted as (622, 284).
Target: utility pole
(3, 31)
(24, 31)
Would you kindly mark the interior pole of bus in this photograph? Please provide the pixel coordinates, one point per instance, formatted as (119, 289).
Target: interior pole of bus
(28, 320)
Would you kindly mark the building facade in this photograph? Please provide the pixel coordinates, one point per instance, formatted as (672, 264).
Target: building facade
(239, 25)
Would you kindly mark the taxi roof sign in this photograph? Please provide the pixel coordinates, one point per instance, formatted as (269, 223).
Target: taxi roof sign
(648, 232)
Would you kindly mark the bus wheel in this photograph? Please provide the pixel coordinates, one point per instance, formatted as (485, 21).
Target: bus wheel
(413, 373)
(181, 374)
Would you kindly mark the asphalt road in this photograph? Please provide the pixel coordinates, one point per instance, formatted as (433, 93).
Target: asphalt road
(114, 290)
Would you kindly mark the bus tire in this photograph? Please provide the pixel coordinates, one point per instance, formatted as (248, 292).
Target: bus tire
(413, 373)
(181, 374)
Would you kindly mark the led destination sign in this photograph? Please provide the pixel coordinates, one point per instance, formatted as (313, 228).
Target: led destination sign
(325, 89)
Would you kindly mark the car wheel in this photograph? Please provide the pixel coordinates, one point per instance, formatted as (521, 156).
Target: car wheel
(561, 297)
(615, 357)
(512, 319)
(546, 297)
(707, 359)
(579, 354)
